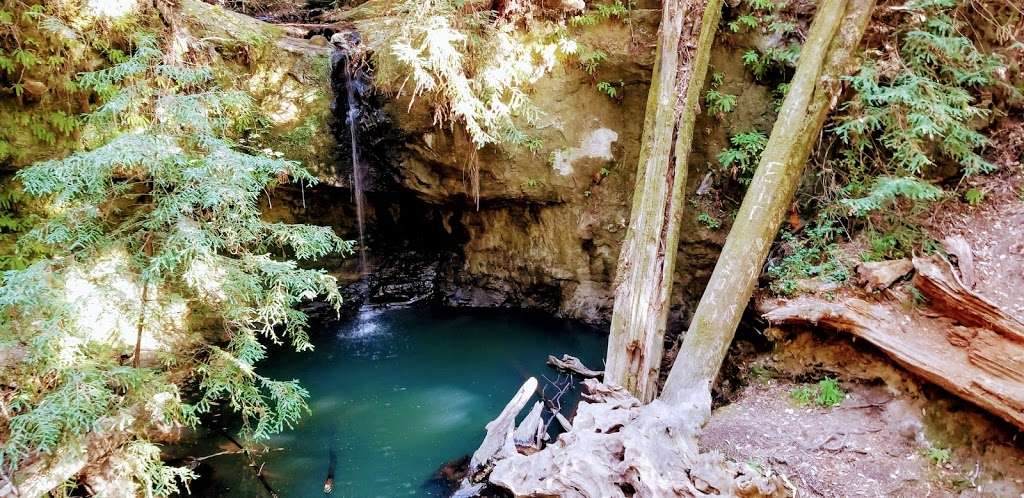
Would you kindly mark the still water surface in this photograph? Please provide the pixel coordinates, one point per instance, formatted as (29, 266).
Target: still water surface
(395, 394)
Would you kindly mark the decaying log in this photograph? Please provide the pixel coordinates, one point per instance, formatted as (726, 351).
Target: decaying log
(946, 293)
(879, 275)
(962, 342)
(618, 444)
(573, 364)
(826, 56)
(499, 442)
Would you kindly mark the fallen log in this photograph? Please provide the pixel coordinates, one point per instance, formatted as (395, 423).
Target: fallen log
(961, 342)
(572, 364)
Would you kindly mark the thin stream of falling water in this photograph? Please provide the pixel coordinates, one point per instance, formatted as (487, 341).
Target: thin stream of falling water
(357, 164)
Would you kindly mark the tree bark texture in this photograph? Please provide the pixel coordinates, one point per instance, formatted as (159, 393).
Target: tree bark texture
(826, 55)
(647, 261)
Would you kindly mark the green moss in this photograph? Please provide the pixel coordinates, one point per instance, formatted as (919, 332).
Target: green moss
(308, 142)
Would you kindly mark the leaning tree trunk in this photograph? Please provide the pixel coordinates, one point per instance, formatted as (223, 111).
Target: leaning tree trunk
(827, 52)
(647, 261)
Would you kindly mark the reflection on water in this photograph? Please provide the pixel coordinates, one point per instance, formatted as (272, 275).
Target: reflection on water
(396, 394)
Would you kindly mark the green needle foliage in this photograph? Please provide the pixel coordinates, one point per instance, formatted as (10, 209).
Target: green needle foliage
(164, 193)
(910, 116)
(914, 114)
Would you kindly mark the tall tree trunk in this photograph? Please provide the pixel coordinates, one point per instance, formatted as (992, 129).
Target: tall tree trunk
(647, 261)
(826, 55)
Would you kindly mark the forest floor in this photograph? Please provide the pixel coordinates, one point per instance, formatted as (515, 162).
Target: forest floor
(892, 435)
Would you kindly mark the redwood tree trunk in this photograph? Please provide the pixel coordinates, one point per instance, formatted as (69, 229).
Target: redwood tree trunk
(647, 262)
(826, 55)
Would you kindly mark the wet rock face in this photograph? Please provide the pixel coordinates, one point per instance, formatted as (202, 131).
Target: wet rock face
(379, 140)
(404, 278)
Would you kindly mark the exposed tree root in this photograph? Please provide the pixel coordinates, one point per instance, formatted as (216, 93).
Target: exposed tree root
(619, 447)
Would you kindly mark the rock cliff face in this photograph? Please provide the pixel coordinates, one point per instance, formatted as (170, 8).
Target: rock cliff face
(548, 226)
(550, 223)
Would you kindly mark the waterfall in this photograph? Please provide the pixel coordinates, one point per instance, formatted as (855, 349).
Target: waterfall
(352, 119)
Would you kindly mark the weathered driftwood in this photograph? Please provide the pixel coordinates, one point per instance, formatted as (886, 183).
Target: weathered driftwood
(619, 444)
(961, 342)
(572, 364)
(825, 57)
(531, 432)
(499, 441)
(643, 281)
(877, 276)
(562, 421)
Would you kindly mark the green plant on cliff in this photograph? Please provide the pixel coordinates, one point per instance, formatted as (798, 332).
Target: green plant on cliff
(718, 102)
(155, 231)
(755, 14)
(42, 46)
(17, 217)
(475, 67)
(765, 17)
(740, 158)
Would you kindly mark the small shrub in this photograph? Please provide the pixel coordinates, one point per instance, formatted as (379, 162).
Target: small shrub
(718, 103)
(709, 221)
(609, 89)
(974, 196)
(760, 373)
(740, 159)
(602, 12)
(900, 241)
(815, 255)
(829, 393)
(826, 394)
(938, 456)
(802, 395)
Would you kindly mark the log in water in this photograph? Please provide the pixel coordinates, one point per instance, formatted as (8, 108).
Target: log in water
(395, 394)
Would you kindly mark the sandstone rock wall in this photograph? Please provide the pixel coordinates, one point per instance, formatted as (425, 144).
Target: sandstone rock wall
(549, 225)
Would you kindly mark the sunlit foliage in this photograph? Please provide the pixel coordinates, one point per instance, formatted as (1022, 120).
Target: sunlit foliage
(164, 193)
(474, 69)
